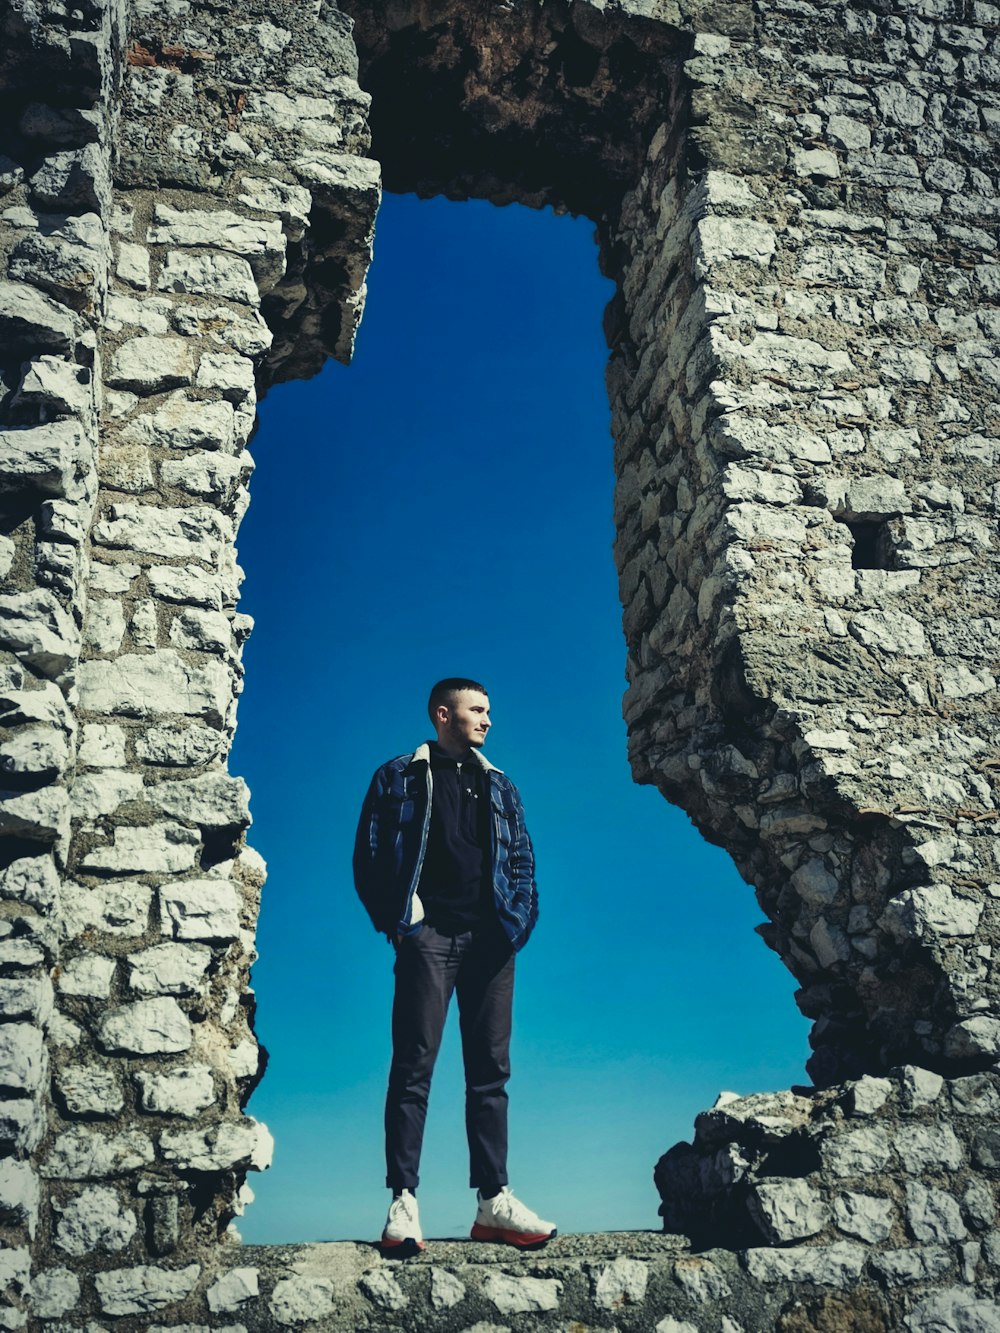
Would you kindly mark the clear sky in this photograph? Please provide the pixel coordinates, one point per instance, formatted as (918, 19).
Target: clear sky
(443, 507)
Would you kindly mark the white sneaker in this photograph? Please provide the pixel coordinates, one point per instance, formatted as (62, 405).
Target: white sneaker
(401, 1235)
(506, 1219)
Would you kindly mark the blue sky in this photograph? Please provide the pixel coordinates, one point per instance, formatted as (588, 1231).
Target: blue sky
(443, 507)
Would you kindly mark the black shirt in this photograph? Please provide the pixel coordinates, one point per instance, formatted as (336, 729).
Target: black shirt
(455, 881)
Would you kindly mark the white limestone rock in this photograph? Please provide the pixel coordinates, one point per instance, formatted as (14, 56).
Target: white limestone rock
(125, 467)
(973, 1037)
(930, 912)
(23, 1123)
(200, 909)
(521, 1295)
(57, 385)
(90, 1090)
(151, 683)
(896, 633)
(35, 751)
(112, 578)
(932, 1215)
(144, 625)
(29, 998)
(865, 1216)
(155, 849)
(620, 1283)
(787, 1209)
(186, 584)
(54, 1292)
(39, 816)
(956, 1310)
(179, 746)
(193, 532)
(382, 1289)
(88, 975)
(213, 800)
(233, 376)
(222, 275)
(668, 1324)
(856, 1151)
(233, 1289)
(95, 794)
(149, 364)
(32, 880)
(104, 626)
(19, 1193)
(23, 1059)
(102, 745)
(701, 1279)
(184, 1092)
(446, 1290)
(302, 1300)
(115, 909)
(31, 322)
(869, 1095)
(261, 242)
(93, 1220)
(85, 1152)
(919, 1087)
(35, 626)
(181, 423)
(140, 1290)
(215, 475)
(223, 1147)
(133, 265)
(147, 1027)
(170, 969)
(836, 1265)
(926, 1148)
(244, 1058)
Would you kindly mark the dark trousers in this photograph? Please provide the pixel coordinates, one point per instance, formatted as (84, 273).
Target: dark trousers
(479, 965)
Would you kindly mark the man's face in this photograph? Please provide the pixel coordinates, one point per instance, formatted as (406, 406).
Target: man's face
(468, 719)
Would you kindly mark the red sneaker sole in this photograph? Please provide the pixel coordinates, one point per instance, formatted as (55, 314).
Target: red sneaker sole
(522, 1239)
(407, 1246)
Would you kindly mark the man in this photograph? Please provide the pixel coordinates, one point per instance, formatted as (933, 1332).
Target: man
(444, 866)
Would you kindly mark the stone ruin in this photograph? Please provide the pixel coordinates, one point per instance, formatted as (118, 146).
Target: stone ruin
(797, 200)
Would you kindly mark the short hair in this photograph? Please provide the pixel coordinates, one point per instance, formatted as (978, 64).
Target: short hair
(445, 690)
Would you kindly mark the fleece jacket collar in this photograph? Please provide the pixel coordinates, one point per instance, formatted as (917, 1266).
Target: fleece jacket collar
(422, 755)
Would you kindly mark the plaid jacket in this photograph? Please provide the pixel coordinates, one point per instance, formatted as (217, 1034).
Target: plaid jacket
(392, 839)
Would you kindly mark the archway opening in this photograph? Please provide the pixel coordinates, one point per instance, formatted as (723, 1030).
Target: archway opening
(445, 505)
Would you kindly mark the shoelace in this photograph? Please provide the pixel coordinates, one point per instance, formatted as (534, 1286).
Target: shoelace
(405, 1205)
(513, 1209)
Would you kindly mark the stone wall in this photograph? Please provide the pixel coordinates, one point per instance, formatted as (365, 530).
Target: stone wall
(798, 203)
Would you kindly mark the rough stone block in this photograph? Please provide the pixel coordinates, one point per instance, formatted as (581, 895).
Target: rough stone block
(222, 1148)
(194, 532)
(184, 1092)
(54, 1292)
(149, 364)
(116, 909)
(35, 626)
(181, 423)
(209, 274)
(140, 1290)
(32, 323)
(521, 1295)
(160, 682)
(85, 1152)
(200, 909)
(87, 975)
(787, 1210)
(90, 1090)
(212, 800)
(23, 1062)
(93, 1220)
(237, 1286)
(19, 1194)
(156, 849)
(170, 969)
(621, 1282)
(179, 746)
(147, 1027)
(102, 745)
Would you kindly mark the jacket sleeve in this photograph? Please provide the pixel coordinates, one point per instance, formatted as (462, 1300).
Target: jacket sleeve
(521, 864)
(367, 879)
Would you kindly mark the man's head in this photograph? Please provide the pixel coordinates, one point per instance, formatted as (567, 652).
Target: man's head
(459, 709)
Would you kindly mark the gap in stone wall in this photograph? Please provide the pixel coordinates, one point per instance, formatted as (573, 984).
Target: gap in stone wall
(459, 475)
